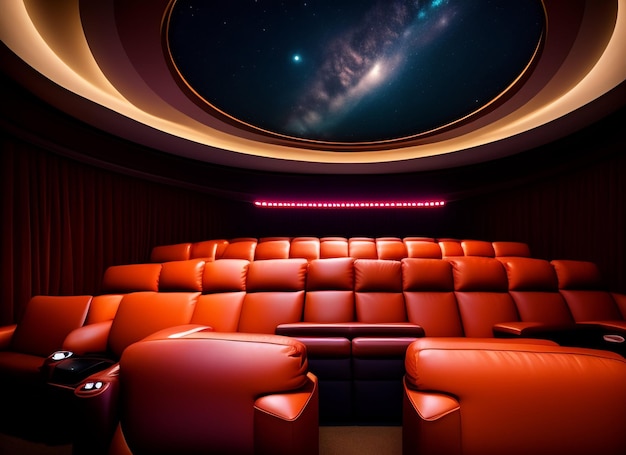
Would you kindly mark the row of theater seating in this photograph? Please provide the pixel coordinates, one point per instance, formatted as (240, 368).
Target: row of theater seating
(356, 316)
(310, 248)
(225, 393)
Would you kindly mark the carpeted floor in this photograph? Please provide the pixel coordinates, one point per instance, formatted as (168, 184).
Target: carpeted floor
(341, 440)
(363, 440)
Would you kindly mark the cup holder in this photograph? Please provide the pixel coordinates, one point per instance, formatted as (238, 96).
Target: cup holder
(612, 338)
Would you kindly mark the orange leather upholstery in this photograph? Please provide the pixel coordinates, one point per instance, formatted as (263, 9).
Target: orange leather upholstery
(428, 290)
(488, 397)
(310, 248)
(103, 308)
(390, 248)
(511, 249)
(272, 248)
(28, 409)
(143, 313)
(274, 294)
(333, 247)
(591, 305)
(42, 330)
(378, 291)
(131, 278)
(330, 291)
(209, 392)
(580, 283)
(362, 248)
(240, 248)
(355, 311)
(478, 248)
(224, 287)
(534, 287)
(209, 250)
(165, 253)
(182, 275)
(422, 249)
(481, 289)
(305, 247)
(451, 248)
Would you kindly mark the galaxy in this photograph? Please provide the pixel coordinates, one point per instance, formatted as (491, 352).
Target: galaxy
(348, 71)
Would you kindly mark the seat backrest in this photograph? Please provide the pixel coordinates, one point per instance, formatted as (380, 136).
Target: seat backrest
(518, 394)
(274, 294)
(451, 248)
(378, 291)
(305, 247)
(181, 275)
(240, 248)
(103, 308)
(422, 249)
(143, 313)
(333, 247)
(198, 394)
(46, 322)
(131, 278)
(209, 250)
(165, 253)
(224, 287)
(272, 248)
(428, 290)
(390, 248)
(581, 284)
(534, 287)
(481, 289)
(418, 239)
(511, 249)
(362, 248)
(477, 248)
(330, 290)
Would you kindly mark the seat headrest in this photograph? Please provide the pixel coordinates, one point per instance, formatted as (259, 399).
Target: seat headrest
(577, 274)
(474, 273)
(131, 278)
(530, 274)
(419, 274)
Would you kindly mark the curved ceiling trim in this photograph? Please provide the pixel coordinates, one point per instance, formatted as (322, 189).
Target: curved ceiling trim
(168, 121)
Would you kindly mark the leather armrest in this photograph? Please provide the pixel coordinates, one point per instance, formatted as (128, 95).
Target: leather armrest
(431, 422)
(6, 334)
(91, 338)
(178, 331)
(385, 347)
(606, 335)
(97, 404)
(288, 422)
(529, 329)
(350, 330)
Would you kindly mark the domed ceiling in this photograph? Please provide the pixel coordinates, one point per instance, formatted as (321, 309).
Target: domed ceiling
(352, 73)
(326, 86)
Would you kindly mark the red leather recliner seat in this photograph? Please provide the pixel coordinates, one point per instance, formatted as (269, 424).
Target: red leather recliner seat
(513, 397)
(206, 392)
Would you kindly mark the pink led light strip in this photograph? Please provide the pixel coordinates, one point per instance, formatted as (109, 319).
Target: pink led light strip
(348, 205)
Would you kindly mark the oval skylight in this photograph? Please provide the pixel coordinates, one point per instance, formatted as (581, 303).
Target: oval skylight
(352, 72)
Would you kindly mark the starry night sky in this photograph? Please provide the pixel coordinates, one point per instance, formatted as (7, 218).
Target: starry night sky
(352, 71)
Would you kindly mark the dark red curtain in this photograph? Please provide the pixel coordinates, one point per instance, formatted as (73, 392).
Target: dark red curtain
(64, 222)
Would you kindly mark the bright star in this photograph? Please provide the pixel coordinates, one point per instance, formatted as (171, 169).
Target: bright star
(297, 58)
